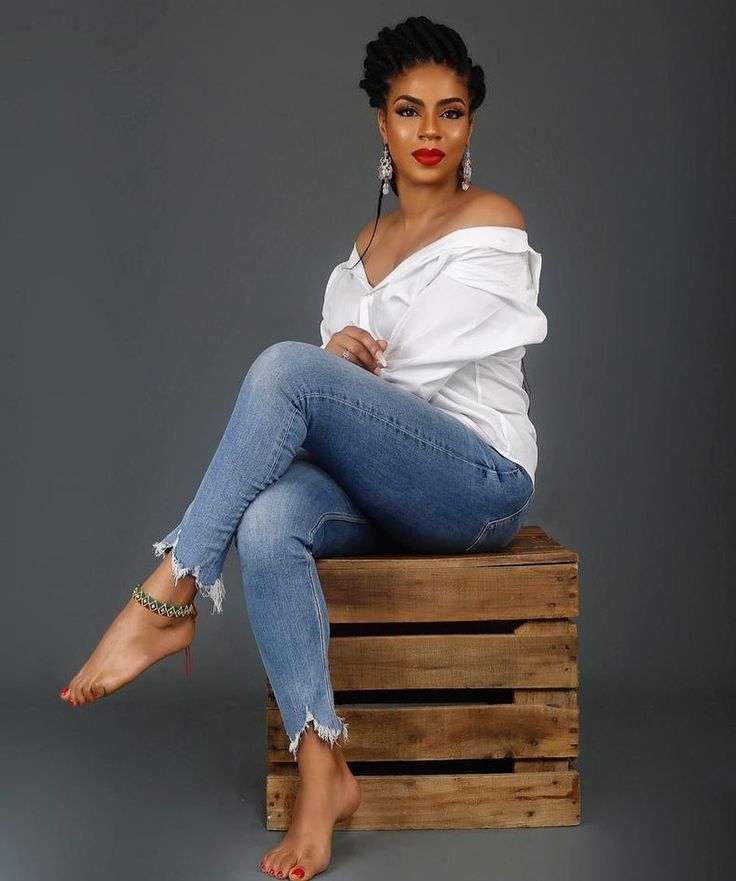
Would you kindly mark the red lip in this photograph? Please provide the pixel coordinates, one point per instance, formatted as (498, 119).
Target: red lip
(428, 157)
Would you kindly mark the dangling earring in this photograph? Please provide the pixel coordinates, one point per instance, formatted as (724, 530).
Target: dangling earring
(467, 170)
(385, 169)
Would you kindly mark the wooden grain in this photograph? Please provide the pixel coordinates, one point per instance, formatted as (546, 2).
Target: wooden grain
(445, 801)
(442, 732)
(468, 660)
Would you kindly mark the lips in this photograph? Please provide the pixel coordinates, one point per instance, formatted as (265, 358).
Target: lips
(428, 157)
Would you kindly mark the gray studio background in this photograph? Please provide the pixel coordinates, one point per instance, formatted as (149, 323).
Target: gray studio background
(178, 180)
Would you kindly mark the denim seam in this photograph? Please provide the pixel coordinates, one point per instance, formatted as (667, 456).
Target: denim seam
(429, 443)
(493, 523)
(310, 559)
(325, 676)
(336, 515)
(295, 411)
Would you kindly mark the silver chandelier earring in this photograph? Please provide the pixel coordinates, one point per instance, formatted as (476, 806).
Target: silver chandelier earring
(467, 169)
(385, 169)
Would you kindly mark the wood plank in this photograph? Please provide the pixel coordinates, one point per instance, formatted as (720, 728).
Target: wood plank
(467, 591)
(530, 545)
(468, 660)
(442, 732)
(445, 801)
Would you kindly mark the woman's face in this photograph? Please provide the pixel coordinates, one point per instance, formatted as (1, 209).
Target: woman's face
(426, 109)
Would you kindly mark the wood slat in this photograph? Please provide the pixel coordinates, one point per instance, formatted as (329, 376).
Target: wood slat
(444, 801)
(533, 577)
(467, 592)
(442, 732)
(468, 660)
(530, 545)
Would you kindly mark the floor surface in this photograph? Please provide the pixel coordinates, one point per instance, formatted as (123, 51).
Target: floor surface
(131, 790)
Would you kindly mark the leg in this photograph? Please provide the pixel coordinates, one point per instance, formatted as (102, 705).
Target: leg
(302, 516)
(430, 482)
(425, 478)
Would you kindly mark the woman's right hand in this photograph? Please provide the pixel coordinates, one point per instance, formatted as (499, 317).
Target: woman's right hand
(364, 350)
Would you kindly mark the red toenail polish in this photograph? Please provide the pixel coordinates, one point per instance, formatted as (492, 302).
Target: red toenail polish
(299, 872)
(64, 692)
(73, 703)
(279, 873)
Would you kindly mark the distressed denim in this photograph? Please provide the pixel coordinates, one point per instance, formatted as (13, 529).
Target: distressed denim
(323, 458)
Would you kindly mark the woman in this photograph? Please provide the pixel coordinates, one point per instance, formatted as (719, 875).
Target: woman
(407, 429)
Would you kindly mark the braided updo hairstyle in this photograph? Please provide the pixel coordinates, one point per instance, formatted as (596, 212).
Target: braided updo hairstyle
(396, 50)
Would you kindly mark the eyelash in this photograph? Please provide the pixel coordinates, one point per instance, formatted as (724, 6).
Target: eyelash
(449, 110)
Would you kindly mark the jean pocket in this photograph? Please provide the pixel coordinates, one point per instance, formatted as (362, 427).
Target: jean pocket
(496, 534)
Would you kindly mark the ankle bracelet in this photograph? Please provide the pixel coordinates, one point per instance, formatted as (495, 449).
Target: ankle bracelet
(171, 610)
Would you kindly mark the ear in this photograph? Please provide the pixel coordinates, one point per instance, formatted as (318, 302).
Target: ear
(381, 118)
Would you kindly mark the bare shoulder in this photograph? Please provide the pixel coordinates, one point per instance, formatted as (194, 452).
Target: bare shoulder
(493, 209)
(364, 236)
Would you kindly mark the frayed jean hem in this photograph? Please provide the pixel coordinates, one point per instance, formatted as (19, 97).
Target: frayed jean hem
(324, 732)
(214, 591)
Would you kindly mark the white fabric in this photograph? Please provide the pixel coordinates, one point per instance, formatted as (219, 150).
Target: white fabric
(457, 314)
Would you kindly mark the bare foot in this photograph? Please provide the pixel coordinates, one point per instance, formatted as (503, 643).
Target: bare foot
(328, 792)
(136, 639)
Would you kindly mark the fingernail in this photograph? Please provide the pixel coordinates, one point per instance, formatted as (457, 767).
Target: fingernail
(381, 360)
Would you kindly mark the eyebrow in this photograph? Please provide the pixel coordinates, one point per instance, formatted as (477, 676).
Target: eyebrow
(421, 103)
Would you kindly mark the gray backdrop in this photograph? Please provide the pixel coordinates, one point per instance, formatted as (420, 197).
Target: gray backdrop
(178, 180)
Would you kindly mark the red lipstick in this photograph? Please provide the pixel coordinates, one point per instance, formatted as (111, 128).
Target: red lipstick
(428, 157)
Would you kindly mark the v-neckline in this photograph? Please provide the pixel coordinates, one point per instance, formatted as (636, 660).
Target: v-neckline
(400, 264)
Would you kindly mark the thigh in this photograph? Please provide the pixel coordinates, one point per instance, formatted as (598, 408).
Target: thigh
(307, 504)
(424, 477)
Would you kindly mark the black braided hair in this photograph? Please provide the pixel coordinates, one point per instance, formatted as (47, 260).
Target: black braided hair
(418, 40)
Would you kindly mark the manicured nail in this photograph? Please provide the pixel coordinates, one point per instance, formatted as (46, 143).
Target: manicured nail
(73, 703)
(299, 872)
(64, 692)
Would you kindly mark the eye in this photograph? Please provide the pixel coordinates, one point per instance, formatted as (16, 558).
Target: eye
(403, 110)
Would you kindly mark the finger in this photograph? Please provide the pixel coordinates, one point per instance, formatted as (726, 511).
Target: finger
(370, 343)
(353, 340)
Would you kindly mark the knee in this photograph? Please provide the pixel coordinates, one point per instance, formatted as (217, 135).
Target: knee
(281, 361)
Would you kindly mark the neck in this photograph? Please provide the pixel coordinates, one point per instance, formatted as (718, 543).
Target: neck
(421, 206)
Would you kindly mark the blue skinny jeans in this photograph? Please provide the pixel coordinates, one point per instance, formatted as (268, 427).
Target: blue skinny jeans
(322, 458)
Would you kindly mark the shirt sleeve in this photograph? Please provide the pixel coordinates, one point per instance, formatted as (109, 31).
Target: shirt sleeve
(324, 333)
(481, 303)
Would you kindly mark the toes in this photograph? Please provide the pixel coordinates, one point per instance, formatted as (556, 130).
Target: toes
(97, 690)
(273, 865)
(300, 872)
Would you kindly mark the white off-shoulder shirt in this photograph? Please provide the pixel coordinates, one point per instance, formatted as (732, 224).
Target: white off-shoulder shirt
(457, 314)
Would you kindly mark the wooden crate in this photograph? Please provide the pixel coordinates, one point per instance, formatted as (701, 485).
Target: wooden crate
(457, 676)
